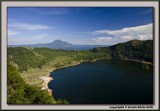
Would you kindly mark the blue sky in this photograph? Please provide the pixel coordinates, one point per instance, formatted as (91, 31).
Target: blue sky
(79, 25)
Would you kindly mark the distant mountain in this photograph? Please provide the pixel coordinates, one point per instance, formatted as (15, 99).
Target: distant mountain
(134, 49)
(58, 44)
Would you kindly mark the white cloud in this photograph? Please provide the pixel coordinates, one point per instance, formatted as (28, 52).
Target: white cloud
(143, 32)
(137, 30)
(145, 37)
(102, 39)
(12, 32)
(127, 37)
(32, 27)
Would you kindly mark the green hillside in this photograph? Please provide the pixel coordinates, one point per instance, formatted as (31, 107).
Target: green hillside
(21, 93)
(25, 58)
(135, 49)
(33, 63)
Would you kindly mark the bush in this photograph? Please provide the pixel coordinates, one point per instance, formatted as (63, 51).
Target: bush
(21, 93)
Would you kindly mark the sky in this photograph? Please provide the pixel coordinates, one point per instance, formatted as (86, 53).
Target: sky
(79, 25)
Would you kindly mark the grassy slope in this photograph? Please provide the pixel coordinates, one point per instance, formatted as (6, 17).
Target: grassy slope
(36, 62)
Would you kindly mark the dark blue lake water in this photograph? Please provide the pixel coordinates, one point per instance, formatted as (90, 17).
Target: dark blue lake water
(104, 82)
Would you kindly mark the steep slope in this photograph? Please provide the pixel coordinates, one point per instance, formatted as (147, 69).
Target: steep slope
(134, 49)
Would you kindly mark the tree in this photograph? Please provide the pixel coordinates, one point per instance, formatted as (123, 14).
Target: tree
(21, 93)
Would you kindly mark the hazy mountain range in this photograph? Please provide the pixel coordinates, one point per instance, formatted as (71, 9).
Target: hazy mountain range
(58, 44)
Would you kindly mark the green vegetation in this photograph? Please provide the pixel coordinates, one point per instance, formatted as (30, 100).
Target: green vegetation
(33, 63)
(19, 92)
(25, 58)
(61, 101)
(36, 62)
(135, 49)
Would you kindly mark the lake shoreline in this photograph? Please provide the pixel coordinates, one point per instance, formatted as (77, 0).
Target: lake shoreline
(31, 75)
(77, 63)
(81, 71)
(143, 62)
(45, 71)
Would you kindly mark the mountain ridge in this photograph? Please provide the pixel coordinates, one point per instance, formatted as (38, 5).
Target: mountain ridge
(134, 49)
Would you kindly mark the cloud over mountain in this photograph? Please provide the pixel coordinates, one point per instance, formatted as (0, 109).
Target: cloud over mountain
(143, 32)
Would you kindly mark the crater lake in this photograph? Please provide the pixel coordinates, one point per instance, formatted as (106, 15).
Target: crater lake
(104, 82)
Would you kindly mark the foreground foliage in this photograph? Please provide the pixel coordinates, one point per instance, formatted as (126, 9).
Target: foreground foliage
(21, 93)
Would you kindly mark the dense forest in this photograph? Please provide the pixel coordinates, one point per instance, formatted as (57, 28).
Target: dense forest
(135, 49)
(26, 65)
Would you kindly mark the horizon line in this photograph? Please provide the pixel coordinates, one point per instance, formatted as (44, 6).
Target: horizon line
(75, 44)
